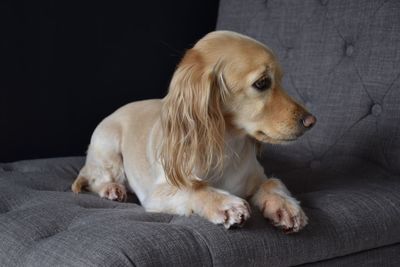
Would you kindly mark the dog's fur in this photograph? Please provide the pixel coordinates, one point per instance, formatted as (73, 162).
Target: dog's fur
(195, 150)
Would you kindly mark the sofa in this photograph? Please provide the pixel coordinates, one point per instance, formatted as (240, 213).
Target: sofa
(342, 60)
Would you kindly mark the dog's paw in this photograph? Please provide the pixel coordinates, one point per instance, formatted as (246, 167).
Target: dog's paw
(236, 214)
(230, 211)
(284, 212)
(114, 191)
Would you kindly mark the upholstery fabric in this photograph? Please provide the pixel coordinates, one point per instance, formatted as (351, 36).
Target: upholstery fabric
(383, 256)
(42, 223)
(341, 59)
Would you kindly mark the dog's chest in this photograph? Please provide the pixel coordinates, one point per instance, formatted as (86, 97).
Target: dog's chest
(239, 165)
(234, 180)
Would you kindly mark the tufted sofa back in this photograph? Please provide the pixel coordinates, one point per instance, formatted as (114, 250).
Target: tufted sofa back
(341, 59)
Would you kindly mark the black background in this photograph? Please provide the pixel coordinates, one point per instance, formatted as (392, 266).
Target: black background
(65, 65)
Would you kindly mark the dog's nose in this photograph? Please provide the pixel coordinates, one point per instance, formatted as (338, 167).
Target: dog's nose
(308, 121)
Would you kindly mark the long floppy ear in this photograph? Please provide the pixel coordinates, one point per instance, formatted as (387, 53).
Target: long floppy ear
(193, 122)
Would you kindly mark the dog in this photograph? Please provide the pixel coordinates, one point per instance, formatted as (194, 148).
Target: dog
(195, 151)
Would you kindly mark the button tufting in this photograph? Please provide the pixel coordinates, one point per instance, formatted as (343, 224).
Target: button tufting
(315, 164)
(376, 110)
(324, 2)
(289, 52)
(349, 50)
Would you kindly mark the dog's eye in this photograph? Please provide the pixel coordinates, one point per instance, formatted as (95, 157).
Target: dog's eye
(263, 84)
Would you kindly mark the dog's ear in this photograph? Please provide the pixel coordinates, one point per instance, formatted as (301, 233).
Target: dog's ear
(193, 122)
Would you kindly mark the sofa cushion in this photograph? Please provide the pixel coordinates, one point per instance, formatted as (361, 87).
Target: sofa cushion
(383, 256)
(42, 223)
(342, 60)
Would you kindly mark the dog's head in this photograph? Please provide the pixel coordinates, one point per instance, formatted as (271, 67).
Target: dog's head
(226, 82)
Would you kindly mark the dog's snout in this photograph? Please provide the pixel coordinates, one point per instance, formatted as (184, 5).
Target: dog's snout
(308, 121)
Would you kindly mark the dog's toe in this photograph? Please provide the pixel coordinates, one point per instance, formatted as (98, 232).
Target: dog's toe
(114, 191)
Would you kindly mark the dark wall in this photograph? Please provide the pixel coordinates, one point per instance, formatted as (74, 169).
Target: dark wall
(65, 66)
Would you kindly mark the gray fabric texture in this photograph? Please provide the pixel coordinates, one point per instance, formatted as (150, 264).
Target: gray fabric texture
(342, 60)
(42, 223)
(384, 256)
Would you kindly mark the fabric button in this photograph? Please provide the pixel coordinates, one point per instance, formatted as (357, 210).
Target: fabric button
(376, 110)
(289, 52)
(315, 164)
(349, 50)
(324, 2)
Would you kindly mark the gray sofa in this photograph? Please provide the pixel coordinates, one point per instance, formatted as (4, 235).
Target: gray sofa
(340, 58)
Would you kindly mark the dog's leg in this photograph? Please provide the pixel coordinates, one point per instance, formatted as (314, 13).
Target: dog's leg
(103, 172)
(106, 182)
(215, 205)
(277, 204)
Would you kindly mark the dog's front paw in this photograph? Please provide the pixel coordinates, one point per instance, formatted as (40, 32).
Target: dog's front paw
(284, 212)
(235, 213)
(225, 209)
(114, 191)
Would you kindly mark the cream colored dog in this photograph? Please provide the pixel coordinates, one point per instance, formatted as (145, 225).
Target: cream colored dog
(195, 150)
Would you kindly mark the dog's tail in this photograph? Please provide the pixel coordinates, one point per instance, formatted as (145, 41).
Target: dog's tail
(80, 183)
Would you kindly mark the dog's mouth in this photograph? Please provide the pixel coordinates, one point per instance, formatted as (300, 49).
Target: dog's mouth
(263, 137)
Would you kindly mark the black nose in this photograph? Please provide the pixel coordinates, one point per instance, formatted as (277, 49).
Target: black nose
(308, 121)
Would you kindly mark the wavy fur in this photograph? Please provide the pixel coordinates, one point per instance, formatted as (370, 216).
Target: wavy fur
(193, 122)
